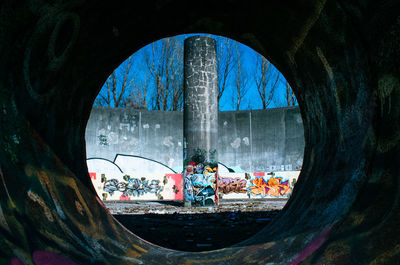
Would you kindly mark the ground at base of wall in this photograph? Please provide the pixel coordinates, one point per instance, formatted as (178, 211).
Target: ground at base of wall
(197, 231)
(177, 207)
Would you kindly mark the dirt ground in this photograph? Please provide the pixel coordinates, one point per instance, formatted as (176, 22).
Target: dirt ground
(171, 207)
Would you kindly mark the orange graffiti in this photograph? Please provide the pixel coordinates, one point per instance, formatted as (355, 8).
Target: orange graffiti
(273, 187)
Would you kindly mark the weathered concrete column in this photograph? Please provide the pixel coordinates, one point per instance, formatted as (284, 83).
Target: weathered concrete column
(200, 128)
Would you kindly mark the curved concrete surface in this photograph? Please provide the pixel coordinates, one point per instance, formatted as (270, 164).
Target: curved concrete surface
(341, 57)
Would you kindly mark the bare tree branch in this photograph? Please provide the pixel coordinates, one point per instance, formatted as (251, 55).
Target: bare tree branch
(165, 65)
(266, 80)
(158, 83)
(225, 63)
(290, 97)
(118, 97)
(137, 98)
(241, 78)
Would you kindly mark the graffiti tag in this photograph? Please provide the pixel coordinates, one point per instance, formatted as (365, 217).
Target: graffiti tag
(133, 187)
(273, 187)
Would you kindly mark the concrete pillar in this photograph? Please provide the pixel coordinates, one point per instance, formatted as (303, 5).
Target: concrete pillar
(200, 127)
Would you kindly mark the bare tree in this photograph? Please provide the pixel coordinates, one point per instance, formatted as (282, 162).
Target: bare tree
(137, 98)
(157, 83)
(114, 90)
(290, 97)
(266, 80)
(165, 65)
(104, 96)
(177, 94)
(225, 63)
(241, 79)
(287, 97)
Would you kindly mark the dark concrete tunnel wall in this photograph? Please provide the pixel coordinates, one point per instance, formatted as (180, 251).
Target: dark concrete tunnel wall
(248, 140)
(341, 58)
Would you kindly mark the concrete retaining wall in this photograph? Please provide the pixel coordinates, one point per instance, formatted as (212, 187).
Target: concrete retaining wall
(248, 141)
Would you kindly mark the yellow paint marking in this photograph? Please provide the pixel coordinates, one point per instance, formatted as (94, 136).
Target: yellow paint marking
(36, 198)
(329, 71)
(59, 241)
(386, 256)
(140, 248)
(324, 61)
(72, 184)
(303, 32)
(29, 170)
(3, 221)
(268, 245)
(336, 250)
(11, 203)
(358, 219)
(133, 254)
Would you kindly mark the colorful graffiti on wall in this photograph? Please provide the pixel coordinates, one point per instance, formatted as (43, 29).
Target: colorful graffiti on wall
(273, 186)
(200, 183)
(125, 187)
(134, 187)
(227, 185)
(116, 180)
(257, 185)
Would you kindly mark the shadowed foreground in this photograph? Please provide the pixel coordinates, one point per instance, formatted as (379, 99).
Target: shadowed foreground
(197, 232)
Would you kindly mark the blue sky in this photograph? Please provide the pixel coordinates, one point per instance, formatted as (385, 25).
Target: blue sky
(248, 57)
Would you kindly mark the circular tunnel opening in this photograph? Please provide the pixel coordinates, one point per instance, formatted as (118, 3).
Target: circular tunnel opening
(134, 146)
(341, 58)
